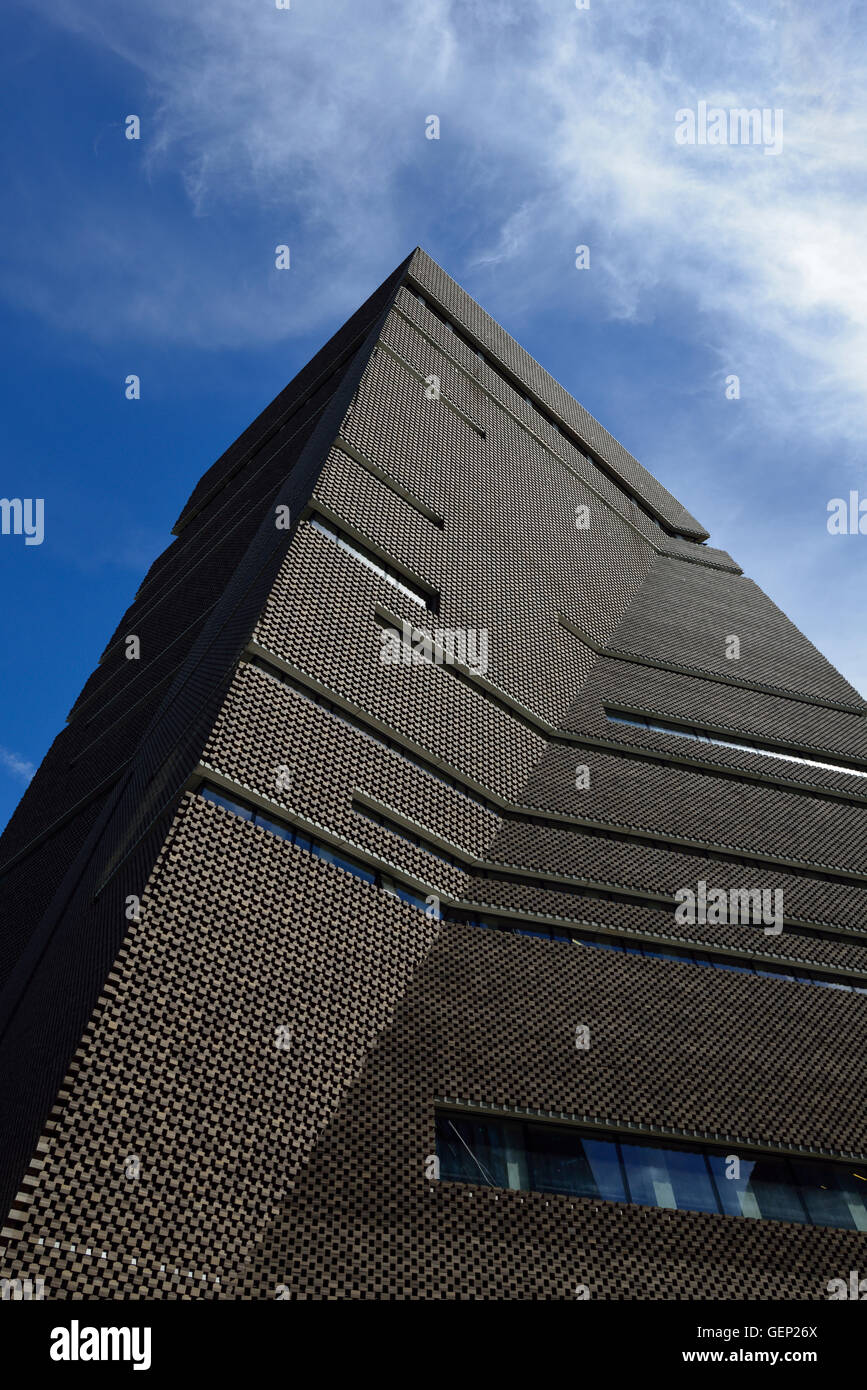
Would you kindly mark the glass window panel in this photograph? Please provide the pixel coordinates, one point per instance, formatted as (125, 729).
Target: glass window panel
(831, 1195)
(673, 1178)
(765, 1188)
(560, 1160)
(556, 1162)
(414, 899)
(332, 857)
(322, 852)
(370, 561)
(364, 559)
(606, 1168)
(481, 1150)
(854, 1182)
(704, 736)
(563, 1160)
(218, 799)
(284, 831)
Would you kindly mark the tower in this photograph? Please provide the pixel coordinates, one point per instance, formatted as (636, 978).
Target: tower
(456, 887)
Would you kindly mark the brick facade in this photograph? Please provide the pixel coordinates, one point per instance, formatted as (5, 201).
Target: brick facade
(159, 1142)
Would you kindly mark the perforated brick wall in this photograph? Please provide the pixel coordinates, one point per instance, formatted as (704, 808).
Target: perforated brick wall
(273, 1036)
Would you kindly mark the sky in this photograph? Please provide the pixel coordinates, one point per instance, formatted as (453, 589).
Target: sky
(306, 127)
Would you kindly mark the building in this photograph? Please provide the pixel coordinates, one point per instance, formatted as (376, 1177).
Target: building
(449, 884)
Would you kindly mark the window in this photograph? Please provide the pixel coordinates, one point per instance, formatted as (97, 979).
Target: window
(499, 1151)
(406, 895)
(329, 853)
(557, 1162)
(385, 571)
(484, 1150)
(561, 935)
(700, 735)
(342, 861)
(218, 798)
(675, 1178)
(289, 832)
(580, 936)
(375, 735)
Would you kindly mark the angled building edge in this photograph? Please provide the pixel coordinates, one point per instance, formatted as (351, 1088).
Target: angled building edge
(282, 902)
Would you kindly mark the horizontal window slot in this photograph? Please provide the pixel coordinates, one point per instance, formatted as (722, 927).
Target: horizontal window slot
(443, 396)
(369, 731)
(425, 598)
(390, 882)
(707, 736)
(653, 950)
(511, 874)
(623, 506)
(313, 845)
(505, 1152)
(285, 831)
(539, 725)
(520, 816)
(411, 836)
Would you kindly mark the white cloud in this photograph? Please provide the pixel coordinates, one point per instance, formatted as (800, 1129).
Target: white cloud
(307, 126)
(16, 766)
(557, 123)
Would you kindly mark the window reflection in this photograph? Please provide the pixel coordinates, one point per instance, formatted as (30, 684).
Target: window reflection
(532, 1156)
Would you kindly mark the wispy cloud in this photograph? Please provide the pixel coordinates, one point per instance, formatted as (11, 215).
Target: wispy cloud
(16, 766)
(308, 124)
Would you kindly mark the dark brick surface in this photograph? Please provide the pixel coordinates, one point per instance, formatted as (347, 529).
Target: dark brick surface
(304, 1166)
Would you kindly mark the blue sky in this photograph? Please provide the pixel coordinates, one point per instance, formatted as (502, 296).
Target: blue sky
(307, 126)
